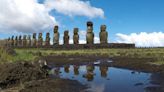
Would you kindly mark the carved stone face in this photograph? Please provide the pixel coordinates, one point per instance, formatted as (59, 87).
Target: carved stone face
(56, 29)
(20, 37)
(16, 38)
(29, 37)
(12, 37)
(89, 29)
(40, 34)
(76, 30)
(48, 34)
(103, 27)
(66, 33)
(34, 35)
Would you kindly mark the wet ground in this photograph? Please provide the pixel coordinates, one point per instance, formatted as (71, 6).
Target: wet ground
(84, 74)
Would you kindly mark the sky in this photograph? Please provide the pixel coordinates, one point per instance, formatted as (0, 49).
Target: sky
(128, 21)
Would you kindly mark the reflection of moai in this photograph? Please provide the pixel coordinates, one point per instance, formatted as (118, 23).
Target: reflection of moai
(66, 37)
(29, 40)
(34, 39)
(56, 36)
(24, 41)
(40, 39)
(16, 41)
(47, 39)
(103, 70)
(90, 34)
(12, 41)
(66, 68)
(76, 36)
(103, 35)
(90, 74)
(20, 41)
(76, 69)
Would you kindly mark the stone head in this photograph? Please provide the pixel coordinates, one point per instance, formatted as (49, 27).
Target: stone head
(56, 29)
(12, 37)
(76, 30)
(34, 35)
(40, 34)
(20, 37)
(66, 33)
(103, 28)
(16, 38)
(29, 36)
(89, 23)
(47, 34)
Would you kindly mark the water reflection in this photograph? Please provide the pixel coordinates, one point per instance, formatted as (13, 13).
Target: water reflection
(96, 77)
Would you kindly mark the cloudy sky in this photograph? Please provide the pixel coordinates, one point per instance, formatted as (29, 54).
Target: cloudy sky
(129, 21)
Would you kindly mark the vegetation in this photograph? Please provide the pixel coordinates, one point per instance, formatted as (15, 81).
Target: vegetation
(32, 54)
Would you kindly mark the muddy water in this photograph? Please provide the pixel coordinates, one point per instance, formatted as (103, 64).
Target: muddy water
(103, 78)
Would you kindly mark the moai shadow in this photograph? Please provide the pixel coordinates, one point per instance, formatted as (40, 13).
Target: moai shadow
(47, 39)
(20, 41)
(90, 72)
(34, 41)
(12, 41)
(76, 69)
(76, 36)
(24, 41)
(104, 71)
(40, 40)
(90, 34)
(103, 35)
(16, 41)
(66, 37)
(56, 36)
(29, 41)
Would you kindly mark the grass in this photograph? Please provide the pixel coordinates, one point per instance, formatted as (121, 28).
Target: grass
(32, 54)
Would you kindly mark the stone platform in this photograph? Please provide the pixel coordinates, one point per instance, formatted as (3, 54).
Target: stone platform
(83, 46)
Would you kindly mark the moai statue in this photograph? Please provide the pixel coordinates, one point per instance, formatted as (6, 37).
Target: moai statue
(8, 42)
(103, 35)
(29, 40)
(90, 34)
(34, 39)
(47, 39)
(104, 70)
(20, 41)
(12, 41)
(16, 41)
(24, 41)
(40, 39)
(76, 36)
(56, 36)
(66, 37)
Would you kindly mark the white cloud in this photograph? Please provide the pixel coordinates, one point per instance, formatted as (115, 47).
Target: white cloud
(28, 16)
(24, 16)
(143, 39)
(74, 7)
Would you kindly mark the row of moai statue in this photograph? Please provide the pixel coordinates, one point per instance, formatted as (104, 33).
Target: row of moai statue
(27, 41)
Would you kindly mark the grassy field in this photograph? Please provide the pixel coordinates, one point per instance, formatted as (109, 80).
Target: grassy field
(32, 54)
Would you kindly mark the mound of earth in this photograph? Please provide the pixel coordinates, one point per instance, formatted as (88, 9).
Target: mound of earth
(12, 74)
(53, 85)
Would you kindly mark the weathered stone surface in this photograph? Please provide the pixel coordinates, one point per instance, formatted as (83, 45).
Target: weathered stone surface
(29, 41)
(20, 41)
(16, 41)
(76, 36)
(103, 35)
(34, 41)
(40, 40)
(66, 37)
(56, 36)
(47, 39)
(24, 41)
(90, 34)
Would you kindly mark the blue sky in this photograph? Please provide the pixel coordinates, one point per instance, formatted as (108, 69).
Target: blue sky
(123, 17)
